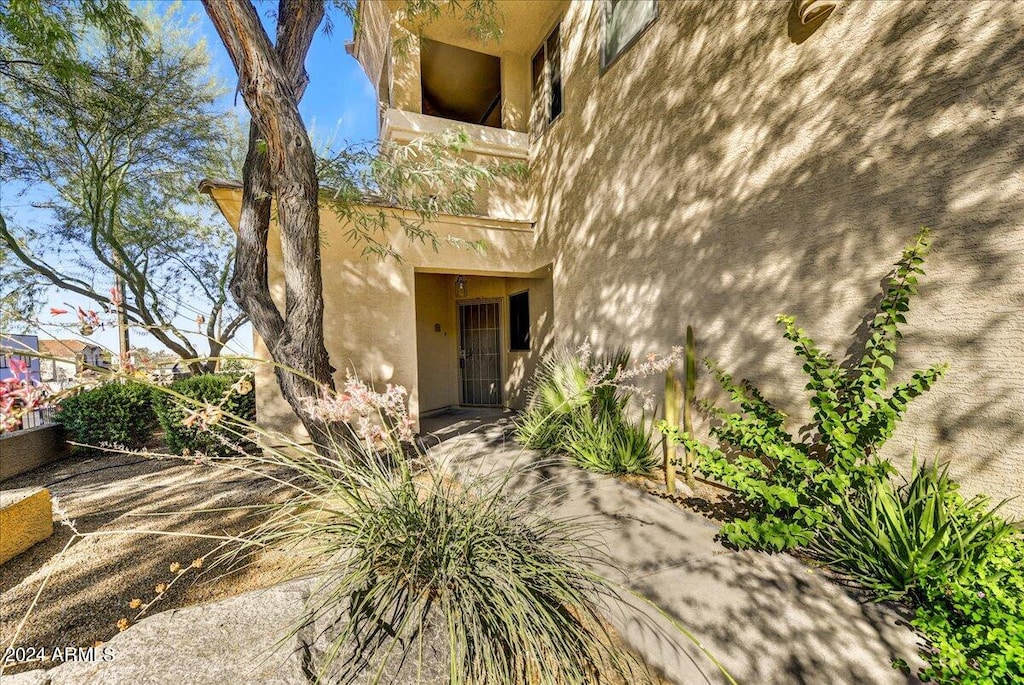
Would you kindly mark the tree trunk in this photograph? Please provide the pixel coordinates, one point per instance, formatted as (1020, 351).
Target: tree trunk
(280, 163)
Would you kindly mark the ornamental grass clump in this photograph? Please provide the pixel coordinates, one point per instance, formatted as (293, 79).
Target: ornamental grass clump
(410, 560)
(408, 557)
(606, 442)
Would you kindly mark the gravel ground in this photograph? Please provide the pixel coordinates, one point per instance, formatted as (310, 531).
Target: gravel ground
(91, 585)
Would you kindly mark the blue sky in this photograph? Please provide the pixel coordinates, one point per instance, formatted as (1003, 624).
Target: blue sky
(339, 105)
(339, 96)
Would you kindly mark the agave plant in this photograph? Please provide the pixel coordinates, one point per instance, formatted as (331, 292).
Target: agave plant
(892, 539)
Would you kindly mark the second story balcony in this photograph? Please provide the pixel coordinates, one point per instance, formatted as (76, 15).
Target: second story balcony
(441, 75)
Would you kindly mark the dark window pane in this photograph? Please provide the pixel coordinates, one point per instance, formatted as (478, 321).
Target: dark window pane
(555, 68)
(519, 320)
(538, 114)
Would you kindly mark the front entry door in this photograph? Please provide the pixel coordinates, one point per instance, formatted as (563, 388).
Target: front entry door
(480, 353)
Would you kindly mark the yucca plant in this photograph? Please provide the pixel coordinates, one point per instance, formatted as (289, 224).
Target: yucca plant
(893, 539)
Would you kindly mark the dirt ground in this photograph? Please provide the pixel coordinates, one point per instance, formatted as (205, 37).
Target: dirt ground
(711, 500)
(90, 587)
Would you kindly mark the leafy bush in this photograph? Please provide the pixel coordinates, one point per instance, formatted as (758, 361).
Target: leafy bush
(975, 622)
(179, 407)
(607, 442)
(893, 540)
(115, 414)
(789, 483)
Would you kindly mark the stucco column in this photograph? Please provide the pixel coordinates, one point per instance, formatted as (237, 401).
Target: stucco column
(406, 87)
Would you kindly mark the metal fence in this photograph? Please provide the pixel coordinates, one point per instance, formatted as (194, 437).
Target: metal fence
(39, 417)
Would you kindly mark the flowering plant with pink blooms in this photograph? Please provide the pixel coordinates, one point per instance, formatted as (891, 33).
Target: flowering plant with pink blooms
(611, 372)
(19, 395)
(381, 419)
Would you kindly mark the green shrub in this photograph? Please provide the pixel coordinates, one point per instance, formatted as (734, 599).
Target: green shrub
(893, 540)
(117, 414)
(231, 394)
(607, 442)
(975, 622)
(790, 484)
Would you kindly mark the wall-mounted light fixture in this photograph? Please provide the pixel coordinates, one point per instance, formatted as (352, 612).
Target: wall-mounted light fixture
(810, 11)
(807, 16)
(460, 286)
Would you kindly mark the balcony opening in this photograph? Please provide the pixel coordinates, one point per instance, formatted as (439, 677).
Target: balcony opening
(460, 84)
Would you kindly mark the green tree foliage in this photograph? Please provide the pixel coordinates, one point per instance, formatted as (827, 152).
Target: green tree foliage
(109, 153)
(44, 35)
(790, 483)
(36, 42)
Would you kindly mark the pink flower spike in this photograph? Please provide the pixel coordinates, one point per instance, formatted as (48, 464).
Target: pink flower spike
(115, 296)
(56, 311)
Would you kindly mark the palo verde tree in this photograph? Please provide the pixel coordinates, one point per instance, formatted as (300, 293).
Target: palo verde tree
(281, 166)
(36, 37)
(108, 149)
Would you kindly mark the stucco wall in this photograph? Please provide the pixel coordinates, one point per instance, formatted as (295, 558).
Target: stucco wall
(24, 450)
(437, 349)
(719, 174)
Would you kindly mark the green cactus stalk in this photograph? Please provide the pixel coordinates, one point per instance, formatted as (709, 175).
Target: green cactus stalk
(688, 400)
(673, 389)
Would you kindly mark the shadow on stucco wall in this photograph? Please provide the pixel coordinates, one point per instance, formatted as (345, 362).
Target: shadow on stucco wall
(718, 175)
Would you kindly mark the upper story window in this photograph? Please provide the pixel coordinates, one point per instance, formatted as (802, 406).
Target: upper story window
(624, 21)
(460, 84)
(547, 81)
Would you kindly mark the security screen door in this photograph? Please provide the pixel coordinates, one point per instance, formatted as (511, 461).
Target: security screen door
(480, 353)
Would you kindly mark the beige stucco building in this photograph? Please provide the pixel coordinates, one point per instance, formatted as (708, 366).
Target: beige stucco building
(713, 164)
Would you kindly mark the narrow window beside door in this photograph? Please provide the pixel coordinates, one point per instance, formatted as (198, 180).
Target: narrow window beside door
(519, 320)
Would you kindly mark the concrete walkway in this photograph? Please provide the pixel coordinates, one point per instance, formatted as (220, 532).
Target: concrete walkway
(767, 618)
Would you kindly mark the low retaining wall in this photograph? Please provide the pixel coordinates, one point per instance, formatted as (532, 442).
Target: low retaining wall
(26, 517)
(27, 449)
